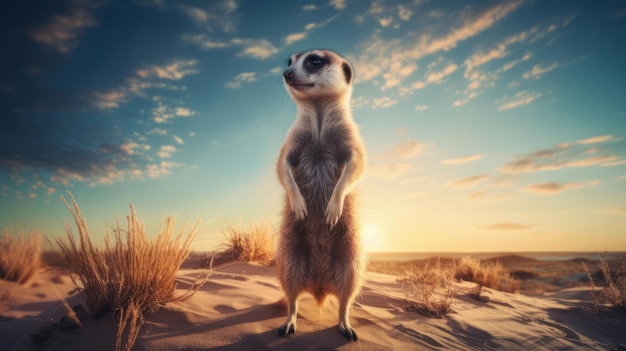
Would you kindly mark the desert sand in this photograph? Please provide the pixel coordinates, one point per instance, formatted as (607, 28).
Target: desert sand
(241, 308)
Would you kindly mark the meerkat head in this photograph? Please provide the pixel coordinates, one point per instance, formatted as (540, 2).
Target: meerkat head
(318, 74)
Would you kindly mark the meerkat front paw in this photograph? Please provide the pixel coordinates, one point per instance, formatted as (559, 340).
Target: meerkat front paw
(334, 210)
(298, 206)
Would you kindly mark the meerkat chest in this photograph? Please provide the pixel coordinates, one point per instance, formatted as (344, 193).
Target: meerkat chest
(320, 150)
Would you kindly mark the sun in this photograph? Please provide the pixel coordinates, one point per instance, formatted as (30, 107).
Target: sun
(372, 237)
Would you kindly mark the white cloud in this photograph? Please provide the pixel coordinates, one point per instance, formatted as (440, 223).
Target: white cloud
(174, 71)
(164, 114)
(538, 70)
(160, 170)
(383, 102)
(309, 7)
(382, 56)
(520, 99)
(468, 182)
(338, 4)
(554, 188)
(407, 148)
(421, 107)
(166, 151)
(258, 48)
(292, 38)
(594, 140)
(178, 139)
(462, 160)
(196, 14)
(111, 99)
(244, 77)
(390, 171)
(62, 31)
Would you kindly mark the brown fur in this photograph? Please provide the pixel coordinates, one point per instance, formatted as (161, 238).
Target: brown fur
(319, 250)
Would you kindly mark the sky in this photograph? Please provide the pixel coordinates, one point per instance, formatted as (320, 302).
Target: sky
(489, 125)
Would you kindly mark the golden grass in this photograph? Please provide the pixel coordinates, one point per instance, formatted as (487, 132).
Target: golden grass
(20, 256)
(254, 243)
(614, 291)
(429, 288)
(130, 275)
(490, 274)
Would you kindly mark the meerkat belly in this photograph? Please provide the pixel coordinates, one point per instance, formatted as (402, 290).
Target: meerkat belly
(316, 175)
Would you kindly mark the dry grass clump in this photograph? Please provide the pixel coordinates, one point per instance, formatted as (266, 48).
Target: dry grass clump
(20, 256)
(429, 288)
(490, 274)
(614, 291)
(130, 275)
(254, 243)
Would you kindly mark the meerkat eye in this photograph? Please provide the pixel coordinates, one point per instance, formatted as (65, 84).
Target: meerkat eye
(315, 61)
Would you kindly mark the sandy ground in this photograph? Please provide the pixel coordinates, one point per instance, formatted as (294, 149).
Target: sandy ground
(241, 308)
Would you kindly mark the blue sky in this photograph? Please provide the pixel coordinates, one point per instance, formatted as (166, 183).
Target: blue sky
(490, 126)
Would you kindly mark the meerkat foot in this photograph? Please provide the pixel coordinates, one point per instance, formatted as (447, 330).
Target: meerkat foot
(287, 329)
(348, 332)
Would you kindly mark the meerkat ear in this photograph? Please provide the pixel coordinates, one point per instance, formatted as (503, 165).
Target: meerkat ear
(347, 71)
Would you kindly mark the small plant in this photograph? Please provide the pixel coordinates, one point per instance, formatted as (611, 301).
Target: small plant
(614, 292)
(615, 280)
(429, 289)
(255, 243)
(20, 256)
(130, 275)
(490, 274)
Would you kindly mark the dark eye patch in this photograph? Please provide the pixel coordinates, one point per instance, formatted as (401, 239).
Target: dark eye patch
(314, 62)
(289, 62)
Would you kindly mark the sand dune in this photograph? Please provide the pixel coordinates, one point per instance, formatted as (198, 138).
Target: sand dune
(241, 307)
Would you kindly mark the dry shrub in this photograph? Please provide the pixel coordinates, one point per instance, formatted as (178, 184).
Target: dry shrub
(129, 276)
(255, 243)
(614, 291)
(20, 256)
(490, 274)
(429, 289)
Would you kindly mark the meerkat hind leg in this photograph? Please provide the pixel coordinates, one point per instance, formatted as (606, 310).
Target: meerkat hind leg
(344, 324)
(289, 327)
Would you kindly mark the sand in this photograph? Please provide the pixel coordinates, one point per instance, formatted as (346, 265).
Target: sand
(241, 308)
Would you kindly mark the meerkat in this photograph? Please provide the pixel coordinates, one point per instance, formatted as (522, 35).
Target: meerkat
(319, 249)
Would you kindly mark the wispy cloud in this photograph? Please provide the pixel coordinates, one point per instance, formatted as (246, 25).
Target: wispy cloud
(462, 160)
(164, 114)
(173, 71)
(407, 148)
(380, 57)
(253, 48)
(554, 188)
(244, 77)
(218, 15)
(63, 31)
(166, 151)
(561, 156)
(468, 182)
(383, 102)
(595, 140)
(539, 70)
(507, 226)
(618, 211)
(520, 99)
(292, 38)
(391, 171)
(338, 4)
(487, 195)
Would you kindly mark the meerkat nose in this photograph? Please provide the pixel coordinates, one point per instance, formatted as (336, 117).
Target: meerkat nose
(288, 74)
